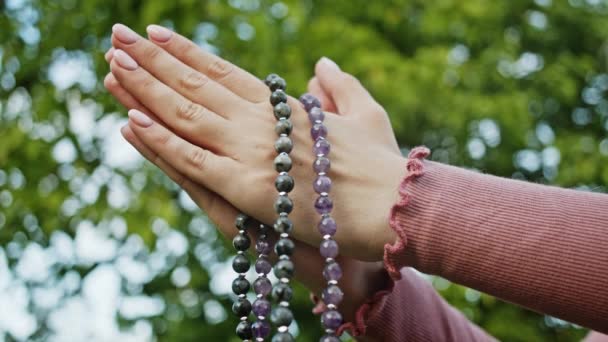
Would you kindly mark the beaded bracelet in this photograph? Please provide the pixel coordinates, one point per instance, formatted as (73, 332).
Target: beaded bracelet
(284, 268)
(332, 295)
(240, 285)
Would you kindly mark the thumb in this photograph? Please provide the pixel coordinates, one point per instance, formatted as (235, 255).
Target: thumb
(342, 88)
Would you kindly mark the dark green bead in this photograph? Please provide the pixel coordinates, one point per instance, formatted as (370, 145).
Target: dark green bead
(282, 292)
(278, 96)
(283, 144)
(284, 183)
(270, 78)
(242, 307)
(240, 264)
(243, 330)
(241, 242)
(282, 163)
(283, 127)
(241, 221)
(283, 224)
(283, 337)
(284, 247)
(284, 269)
(277, 83)
(240, 285)
(281, 316)
(283, 204)
(282, 110)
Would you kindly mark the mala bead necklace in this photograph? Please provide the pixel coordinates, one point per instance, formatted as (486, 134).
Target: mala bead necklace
(262, 286)
(240, 286)
(281, 315)
(331, 319)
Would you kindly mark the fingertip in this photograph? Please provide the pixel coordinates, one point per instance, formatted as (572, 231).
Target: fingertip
(110, 81)
(124, 60)
(139, 118)
(159, 33)
(109, 54)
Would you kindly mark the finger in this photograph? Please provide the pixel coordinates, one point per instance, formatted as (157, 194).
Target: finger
(188, 119)
(232, 77)
(187, 81)
(123, 96)
(327, 104)
(200, 165)
(344, 89)
(108, 55)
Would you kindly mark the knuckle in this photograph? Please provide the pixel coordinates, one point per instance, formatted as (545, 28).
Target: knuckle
(193, 80)
(151, 51)
(163, 139)
(189, 111)
(197, 157)
(219, 69)
(147, 82)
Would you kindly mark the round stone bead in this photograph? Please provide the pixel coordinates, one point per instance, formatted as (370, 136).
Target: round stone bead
(321, 147)
(262, 286)
(321, 164)
(324, 205)
(241, 221)
(263, 247)
(317, 131)
(277, 83)
(332, 271)
(329, 249)
(283, 224)
(269, 78)
(329, 338)
(263, 265)
(264, 229)
(309, 101)
(261, 308)
(283, 144)
(283, 127)
(283, 337)
(284, 269)
(332, 295)
(283, 204)
(327, 226)
(241, 242)
(284, 183)
(243, 330)
(240, 285)
(282, 163)
(281, 316)
(322, 184)
(282, 292)
(282, 111)
(277, 97)
(331, 319)
(242, 307)
(284, 247)
(316, 115)
(240, 264)
(261, 329)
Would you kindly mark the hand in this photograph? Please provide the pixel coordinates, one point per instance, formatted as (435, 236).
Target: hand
(214, 125)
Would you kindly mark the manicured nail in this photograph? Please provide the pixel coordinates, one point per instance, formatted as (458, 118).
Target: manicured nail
(139, 118)
(159, 33)
(108, 56)
(108, 80)
(125, 60)
(124, 34)
(329, 63)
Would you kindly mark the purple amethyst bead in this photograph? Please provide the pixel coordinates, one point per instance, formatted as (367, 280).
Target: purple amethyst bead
(322, 184)
(262, 286)
(316, 115)
(321, 164)
(317, 131)
(261, 307)
(329, 249)
(329, 338)
(327, 226)
(331, 319)
(321, 147)
(263, 247)
(324, 205)
(260, 329)
(333, 295)
(332, 271)
(262, 265)
(309, 101)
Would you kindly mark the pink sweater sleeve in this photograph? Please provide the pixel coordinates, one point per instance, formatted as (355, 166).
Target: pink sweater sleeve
(541, 247)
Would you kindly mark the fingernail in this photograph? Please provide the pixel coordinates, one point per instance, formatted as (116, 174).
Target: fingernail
(124, 34)
(108, 56)
(159, 33)
(329, 63)
(139, 118)
(108, 80)
(125, 60)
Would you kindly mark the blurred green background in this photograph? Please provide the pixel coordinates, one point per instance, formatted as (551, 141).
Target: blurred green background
(97, 245)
